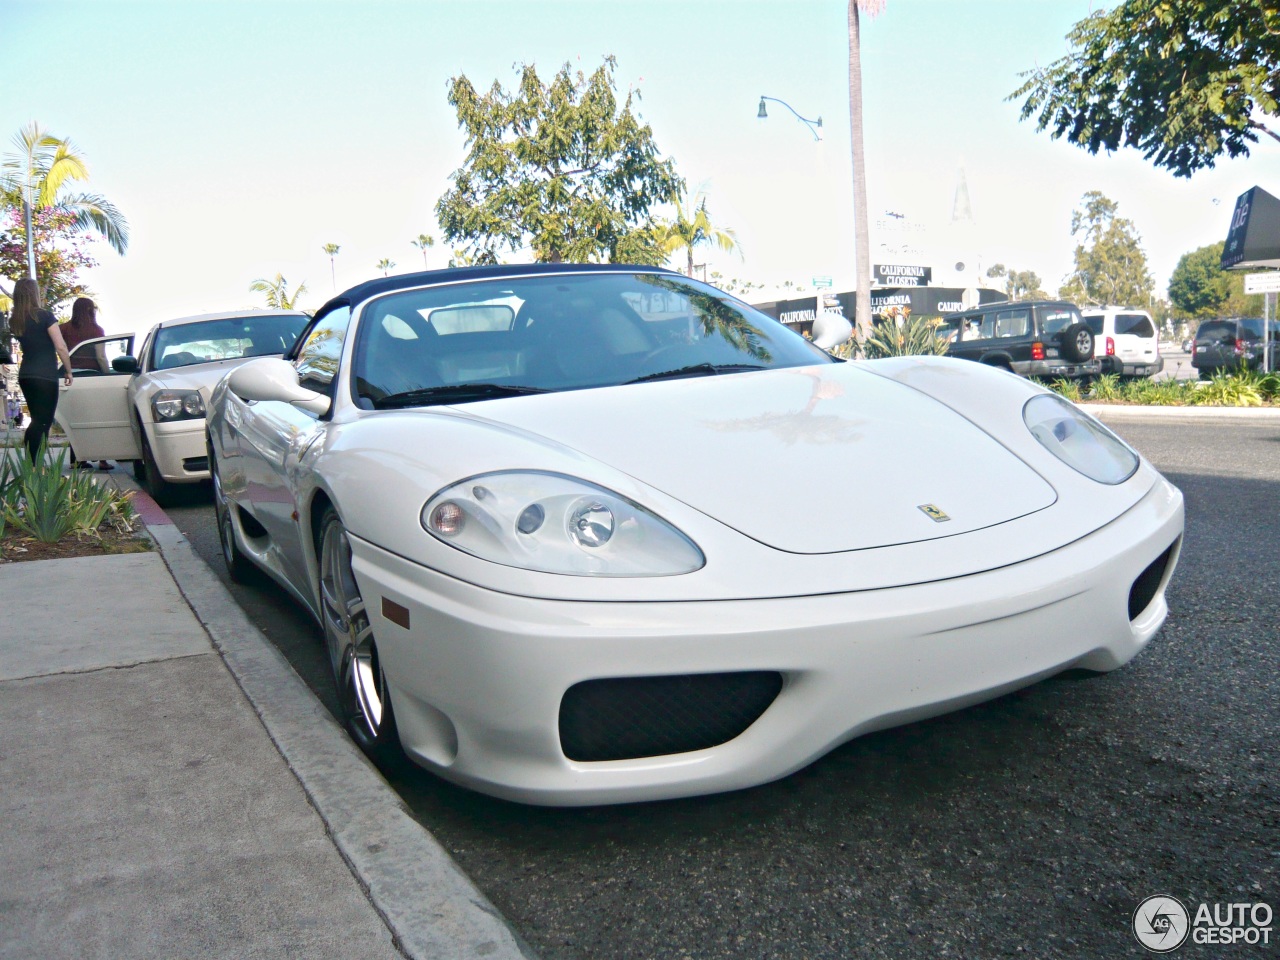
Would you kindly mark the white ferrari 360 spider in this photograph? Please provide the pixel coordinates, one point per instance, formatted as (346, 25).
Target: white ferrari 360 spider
(592, 534)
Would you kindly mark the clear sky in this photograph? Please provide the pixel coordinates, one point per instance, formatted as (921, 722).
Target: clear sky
(239, 137)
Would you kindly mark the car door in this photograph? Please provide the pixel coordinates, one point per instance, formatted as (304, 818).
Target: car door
(273, 437)
(94, 411)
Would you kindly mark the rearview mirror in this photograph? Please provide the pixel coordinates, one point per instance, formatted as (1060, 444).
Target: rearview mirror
(270, 378)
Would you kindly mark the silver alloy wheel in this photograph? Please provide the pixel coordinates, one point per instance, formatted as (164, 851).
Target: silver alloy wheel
(361, 682)
(1084, 342)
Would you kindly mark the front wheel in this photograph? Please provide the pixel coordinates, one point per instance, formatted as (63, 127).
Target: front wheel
(153, 482)
(357, 671)
(239, 567)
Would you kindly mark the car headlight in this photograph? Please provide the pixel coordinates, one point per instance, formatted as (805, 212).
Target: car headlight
(557, 524)
(1078, 440)
(177, 405)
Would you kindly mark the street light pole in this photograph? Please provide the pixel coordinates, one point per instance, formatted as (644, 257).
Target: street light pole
(815, 126)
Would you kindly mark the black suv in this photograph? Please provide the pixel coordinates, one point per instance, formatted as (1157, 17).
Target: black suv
(1226, 345)
(1036, 338)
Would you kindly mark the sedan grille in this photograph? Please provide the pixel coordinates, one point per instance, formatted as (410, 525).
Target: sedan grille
(624, 718)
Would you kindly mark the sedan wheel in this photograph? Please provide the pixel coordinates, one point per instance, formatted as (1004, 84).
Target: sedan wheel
(240, 568)
(155, 485)
(353, 654)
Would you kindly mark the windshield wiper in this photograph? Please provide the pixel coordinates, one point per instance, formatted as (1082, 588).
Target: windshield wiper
(699, 370)
(452, 393)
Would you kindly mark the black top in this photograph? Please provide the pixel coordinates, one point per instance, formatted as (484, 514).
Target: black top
(369, 288)
(39, 357)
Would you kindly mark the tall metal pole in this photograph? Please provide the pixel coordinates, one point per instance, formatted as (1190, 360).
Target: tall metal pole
(1267, 312)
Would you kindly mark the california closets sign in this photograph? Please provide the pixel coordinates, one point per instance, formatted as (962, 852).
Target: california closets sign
(898, 275)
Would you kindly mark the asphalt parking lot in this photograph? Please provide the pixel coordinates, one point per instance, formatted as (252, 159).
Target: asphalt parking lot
(1032, 825)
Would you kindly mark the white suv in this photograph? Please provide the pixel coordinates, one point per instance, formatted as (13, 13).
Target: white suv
(1126, 341)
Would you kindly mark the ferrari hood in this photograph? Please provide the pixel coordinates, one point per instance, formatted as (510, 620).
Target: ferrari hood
(817, 459)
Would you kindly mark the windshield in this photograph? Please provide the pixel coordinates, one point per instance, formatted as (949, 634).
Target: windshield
(510, 336)
(232, 338)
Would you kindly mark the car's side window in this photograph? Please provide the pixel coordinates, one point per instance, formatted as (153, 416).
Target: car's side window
(1013, 323)
(95, 359)
(318, 357)
(1134, 323)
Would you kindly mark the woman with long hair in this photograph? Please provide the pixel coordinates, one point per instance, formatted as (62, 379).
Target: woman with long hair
(83, 326)
(36, 331)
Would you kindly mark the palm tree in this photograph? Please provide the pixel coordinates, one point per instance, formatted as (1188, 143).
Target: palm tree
(861, 234)
(332, 250)
(384, 265)
(277, 292)
(422, 243)
(34, 177)
(687, 232)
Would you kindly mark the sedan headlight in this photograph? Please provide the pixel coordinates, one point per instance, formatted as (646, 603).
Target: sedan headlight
(557, 524)
(177, 405)
(1078, 440)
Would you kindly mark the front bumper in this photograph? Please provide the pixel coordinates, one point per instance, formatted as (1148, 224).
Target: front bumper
(179, 449)
(477, 677)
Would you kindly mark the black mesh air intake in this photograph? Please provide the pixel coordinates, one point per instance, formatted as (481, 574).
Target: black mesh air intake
(624, 718)
(1144, 588)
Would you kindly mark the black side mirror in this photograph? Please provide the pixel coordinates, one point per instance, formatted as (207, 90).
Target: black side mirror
(125, 364)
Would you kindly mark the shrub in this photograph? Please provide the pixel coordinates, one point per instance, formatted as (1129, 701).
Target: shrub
(43, 502)
(902, 335)
(1070, 389)
(1229, 390)
(1106, 387)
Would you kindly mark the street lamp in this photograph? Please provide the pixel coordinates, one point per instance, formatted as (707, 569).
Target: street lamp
(815, 126)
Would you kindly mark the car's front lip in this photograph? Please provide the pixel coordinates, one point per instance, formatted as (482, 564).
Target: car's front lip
(177, 443)
(478, 677)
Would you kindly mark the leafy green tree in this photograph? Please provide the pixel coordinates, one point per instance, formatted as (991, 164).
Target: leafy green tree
(39, 173)
(62, 251)
(560, 167)
(385, 265)
(692, 228)
(1110, 265)
(1184, 81)
(332, 250)
(1018, 284)
(277, 291)
(424, 243)
(1200, 288)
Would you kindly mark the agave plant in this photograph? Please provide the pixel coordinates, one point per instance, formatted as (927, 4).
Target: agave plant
(902, 335)
(48, 504)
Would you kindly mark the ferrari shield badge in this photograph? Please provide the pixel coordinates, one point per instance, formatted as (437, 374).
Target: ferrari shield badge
(933, 513)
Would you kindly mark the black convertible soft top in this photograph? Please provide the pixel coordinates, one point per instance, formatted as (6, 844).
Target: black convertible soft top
(404, 281)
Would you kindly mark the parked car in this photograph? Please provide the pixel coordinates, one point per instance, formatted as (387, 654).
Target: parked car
(581, 534)
(1227, 345)
(1126, 341)
(1036, 338)
(1188, 344)
(150, 407)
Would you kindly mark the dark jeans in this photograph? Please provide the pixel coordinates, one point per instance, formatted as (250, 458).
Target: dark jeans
(42, 400)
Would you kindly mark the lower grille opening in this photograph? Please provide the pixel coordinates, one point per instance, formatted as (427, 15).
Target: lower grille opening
(625, 718)
(1144, 588)
(195, 464)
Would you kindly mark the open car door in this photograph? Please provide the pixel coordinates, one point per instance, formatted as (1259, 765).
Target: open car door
(94, 411)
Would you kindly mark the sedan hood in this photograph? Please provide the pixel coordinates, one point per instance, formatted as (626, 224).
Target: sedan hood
(196, 376)
(807, 460)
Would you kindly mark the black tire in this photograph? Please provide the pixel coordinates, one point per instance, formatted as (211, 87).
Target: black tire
(159, 489)
(1206, 374)
(239, 567)
(1076, 343)
(363, 694)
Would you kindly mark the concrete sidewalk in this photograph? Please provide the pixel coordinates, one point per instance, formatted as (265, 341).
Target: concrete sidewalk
(168, 786)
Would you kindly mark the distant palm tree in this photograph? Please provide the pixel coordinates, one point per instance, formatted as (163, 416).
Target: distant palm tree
(384, 265)
(33, 178)
(277, 292)
(693, 228)
(861, 233)
(332, 250)
(422, 243)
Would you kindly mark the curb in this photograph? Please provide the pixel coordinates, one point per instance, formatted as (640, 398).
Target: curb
(431, 907)
(1137, 411)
